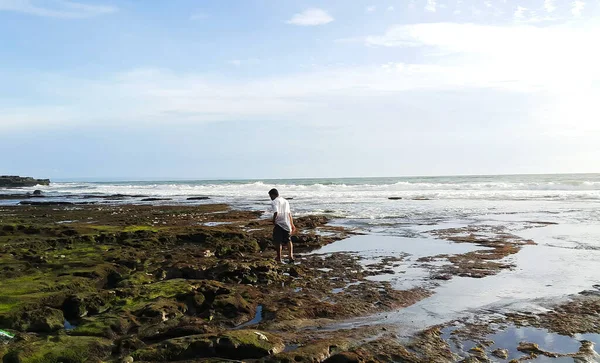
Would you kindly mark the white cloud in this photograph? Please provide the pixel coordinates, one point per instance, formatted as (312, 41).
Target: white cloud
(370, 9)
(311, 17)
(390, 8)
(549, 6)
(577, 7)
(496, 56)
(431, 6)
(462, 60)
(520, 13)
(57, 8)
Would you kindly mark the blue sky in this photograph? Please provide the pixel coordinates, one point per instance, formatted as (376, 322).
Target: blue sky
(267, 88)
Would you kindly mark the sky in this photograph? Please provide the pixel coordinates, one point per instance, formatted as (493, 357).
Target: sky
(281, 89)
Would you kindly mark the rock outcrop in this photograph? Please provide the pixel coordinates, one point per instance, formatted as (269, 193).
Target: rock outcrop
(11, 181)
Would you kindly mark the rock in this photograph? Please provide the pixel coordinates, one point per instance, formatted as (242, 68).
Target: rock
(11, 181)
(237, 344)
(26, 202)
(59, 349)
(310, 222)
(127, 344)
(37, 192)
(528, 347)
(532, 348)
(500, 353)
(161, 310)
(586, 353)
(18, 196)
(346, 357)
(80, 305)
(154, 199)
(41, 320)
(128, 359)
(316, 351)
(232, 306)
(198, 198)
(395, 198)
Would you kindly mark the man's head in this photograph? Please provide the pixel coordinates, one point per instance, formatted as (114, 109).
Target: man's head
(273, 193)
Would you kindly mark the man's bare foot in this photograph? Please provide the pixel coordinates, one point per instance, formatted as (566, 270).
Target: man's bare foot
(278, 260)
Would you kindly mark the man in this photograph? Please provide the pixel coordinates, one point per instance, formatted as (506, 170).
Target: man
(283, 224)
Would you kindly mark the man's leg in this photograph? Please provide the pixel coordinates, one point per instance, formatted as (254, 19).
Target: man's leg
(277, 242)
(291, 247)
(279, 247)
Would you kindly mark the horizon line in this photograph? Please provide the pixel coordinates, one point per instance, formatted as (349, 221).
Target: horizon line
(184, 179)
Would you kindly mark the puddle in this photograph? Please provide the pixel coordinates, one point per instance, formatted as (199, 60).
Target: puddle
(510, 338)
(290, 347)
(69, 326)
(342, 289)
(214, 224)
(407, 273)
(258, 317)
(372, 246)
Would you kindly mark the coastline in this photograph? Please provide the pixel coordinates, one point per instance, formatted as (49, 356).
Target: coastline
(118, 281)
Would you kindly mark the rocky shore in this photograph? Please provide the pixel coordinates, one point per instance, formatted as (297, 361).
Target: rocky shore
(116, 283)
(11, 181)
(141, 283)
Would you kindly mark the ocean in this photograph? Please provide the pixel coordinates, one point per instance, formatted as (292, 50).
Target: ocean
(365, 202)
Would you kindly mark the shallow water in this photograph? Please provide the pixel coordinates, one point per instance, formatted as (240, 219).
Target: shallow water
(544, 273)
(373, 246)
(510, 337)
(258, 317)
(408, 273)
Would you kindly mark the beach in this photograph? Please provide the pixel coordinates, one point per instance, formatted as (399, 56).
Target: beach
(428, 269)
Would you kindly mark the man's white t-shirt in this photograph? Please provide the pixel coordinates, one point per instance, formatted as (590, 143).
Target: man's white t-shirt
(282, 208)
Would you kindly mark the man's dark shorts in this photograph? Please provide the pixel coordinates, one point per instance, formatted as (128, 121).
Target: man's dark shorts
(280, 236)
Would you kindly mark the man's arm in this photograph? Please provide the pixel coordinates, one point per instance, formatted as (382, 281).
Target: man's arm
(292, 224)
(274, 217)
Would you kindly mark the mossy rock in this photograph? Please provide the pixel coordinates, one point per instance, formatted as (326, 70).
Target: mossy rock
(161, 310)
(101, 326)
(59, 350)
(169, 288)
(36, 319)
(35, 289)
(238, 344)
(232, 306)
(317, 351)
(134, 299)
(80, 305)
(136, 279)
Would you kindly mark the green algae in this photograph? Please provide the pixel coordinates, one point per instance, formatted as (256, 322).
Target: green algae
(168, 288)
(238, 344)
(104, 327)
(22, 290)
(59, 349)
(140, 296)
